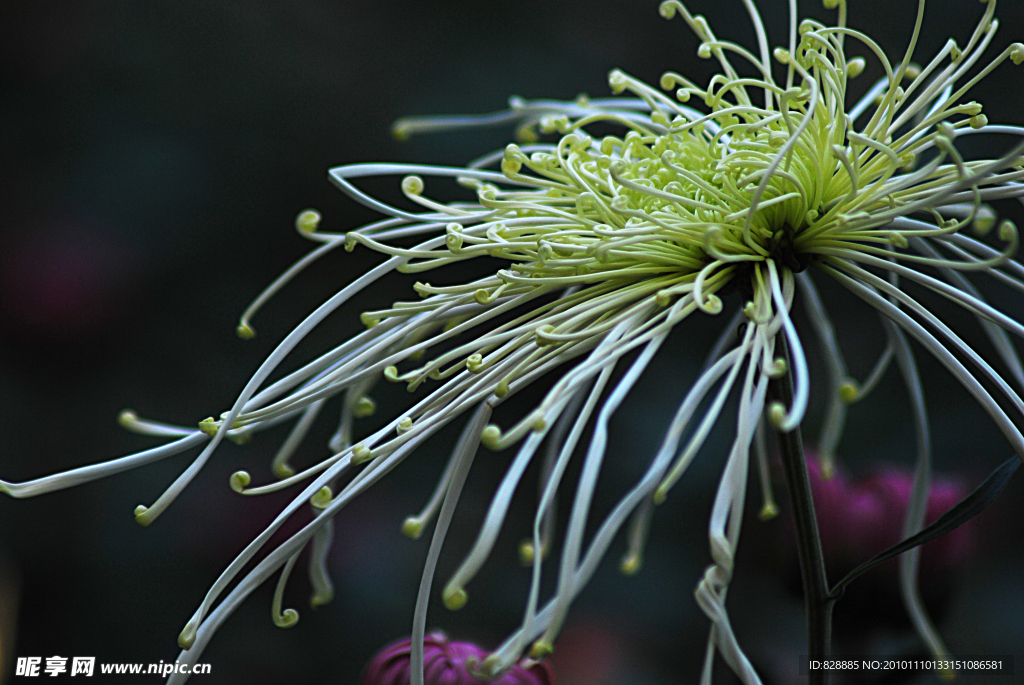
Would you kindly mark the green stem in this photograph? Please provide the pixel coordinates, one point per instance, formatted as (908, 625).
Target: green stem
(812, 562)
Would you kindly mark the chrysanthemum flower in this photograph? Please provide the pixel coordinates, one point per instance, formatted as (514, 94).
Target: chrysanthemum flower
(445, 663)
(860, 518)
(601, 247)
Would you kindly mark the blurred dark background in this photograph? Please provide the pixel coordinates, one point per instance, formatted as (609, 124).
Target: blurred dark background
(154, 158)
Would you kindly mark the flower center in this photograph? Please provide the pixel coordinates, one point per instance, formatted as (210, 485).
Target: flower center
(782, 250)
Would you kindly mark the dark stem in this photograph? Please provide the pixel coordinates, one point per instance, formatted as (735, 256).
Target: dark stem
(812, 563)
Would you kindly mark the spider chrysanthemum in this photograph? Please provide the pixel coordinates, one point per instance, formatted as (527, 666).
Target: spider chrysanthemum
(601, 247)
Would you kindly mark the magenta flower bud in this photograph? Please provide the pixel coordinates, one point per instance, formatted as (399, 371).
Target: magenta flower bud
(893, 487)
(860, 519)
(446, 663)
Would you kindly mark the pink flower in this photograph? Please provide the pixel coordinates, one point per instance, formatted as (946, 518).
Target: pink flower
(858, 519)
(446, 663)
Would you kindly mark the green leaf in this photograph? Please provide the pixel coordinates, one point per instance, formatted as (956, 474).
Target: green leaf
(959, 514)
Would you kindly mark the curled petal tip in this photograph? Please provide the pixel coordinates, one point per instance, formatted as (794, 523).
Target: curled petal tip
(540, 649)
(209, 425)
(244, 331)
(321, 598)
(141, 515)
(828, 468)
(855, 67)
(361, 453)
(984, 221)
(239, 480)
(777, 415)
(491, 437)
(630, 564)
(412, 185)
(768, 511)
(777, 369)
(400, 130)
(526, 553)
(1017, 53)
(364, 406)
(412, 528)
(187, 637)
(322, 498)
(455, 599)
(287, 619)
(848, 391)
(307, 221)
